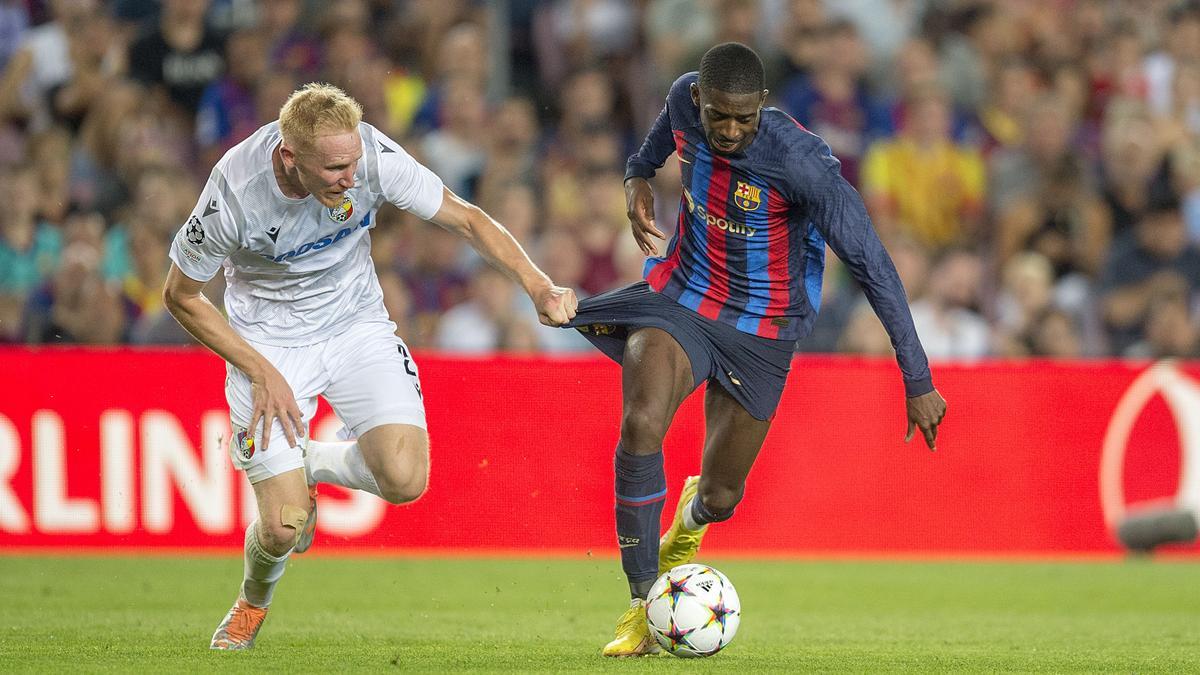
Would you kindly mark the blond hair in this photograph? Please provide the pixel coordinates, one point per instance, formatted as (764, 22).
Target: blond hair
(315, 108)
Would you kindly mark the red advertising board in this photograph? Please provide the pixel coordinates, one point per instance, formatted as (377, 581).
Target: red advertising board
(120, 448)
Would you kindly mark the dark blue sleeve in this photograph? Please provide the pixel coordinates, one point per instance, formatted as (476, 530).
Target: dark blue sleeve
(660, 142)
(837, 210)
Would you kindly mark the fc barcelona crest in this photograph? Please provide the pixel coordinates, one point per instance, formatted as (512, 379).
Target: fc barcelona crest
(748, 197)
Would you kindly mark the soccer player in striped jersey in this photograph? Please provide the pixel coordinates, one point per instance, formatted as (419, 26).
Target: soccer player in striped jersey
(740, 283)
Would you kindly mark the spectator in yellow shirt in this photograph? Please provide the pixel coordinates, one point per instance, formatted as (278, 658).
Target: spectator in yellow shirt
(922, 183)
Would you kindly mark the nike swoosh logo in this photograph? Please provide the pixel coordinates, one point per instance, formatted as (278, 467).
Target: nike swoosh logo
(734, 379)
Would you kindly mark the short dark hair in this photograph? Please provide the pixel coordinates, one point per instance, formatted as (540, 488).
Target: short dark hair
(733, 68)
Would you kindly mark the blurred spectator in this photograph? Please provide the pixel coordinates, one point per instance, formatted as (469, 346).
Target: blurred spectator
(1132, 163)
(293, 48)
(1157, 265)
(455, 151)
(1063, 219)
(228, 109)
(512, 152)
(178, 58)
(923, 184)
(434, 276)
(1181, 46)
(945, 316)
(14, 21)
(833, 101)
(161, 200)
(561, 257)
(462, 56)
(486, 322)
(1171, 331)
(1002, 113)
(29, 249)
(44, 61)
(799, 37)
(76, 306)
(575, 34)
(141, 288)
(1054, 334)
(1026, 295)
(982, 35)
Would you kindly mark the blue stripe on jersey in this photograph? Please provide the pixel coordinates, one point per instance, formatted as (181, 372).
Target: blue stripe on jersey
(814, 265)
(700, 272)
(758, 258)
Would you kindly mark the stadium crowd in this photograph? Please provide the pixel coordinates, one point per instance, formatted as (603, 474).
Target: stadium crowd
(1033, 166)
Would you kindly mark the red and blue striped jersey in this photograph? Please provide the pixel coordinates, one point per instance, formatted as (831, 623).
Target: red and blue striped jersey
(749, 242)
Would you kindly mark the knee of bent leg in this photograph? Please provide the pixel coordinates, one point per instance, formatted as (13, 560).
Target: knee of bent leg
(405, 479)
(721, 498)
(279, 537)
(642, 431)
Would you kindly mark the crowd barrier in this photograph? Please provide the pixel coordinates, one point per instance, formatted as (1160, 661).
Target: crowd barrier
(114, 449)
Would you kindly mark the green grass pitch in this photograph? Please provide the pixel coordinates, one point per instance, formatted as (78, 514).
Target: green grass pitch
(156, 613)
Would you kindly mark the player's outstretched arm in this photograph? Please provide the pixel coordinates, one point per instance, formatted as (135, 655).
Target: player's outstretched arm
(925, 412)
(555, 305)
(273, 398)
(639, 206)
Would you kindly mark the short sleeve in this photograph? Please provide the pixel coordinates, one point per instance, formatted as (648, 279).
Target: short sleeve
(404, 182)
(210, 233)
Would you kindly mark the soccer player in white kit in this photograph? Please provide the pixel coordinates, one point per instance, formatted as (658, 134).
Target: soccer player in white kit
(287, 214)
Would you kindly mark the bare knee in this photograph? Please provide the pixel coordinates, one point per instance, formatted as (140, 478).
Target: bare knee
(405, 477)
(642, 431)
(403, 483)
(277, 538)
(720, 498)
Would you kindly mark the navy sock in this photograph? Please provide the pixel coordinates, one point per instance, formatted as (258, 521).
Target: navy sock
(703, 516)
(641, 488)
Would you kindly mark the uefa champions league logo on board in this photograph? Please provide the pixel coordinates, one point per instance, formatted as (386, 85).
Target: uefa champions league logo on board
(1143, 526)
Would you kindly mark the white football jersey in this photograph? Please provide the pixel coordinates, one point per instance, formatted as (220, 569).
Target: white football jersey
(298, 272)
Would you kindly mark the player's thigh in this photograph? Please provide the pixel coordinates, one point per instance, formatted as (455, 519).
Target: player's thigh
(733, 438)
(656, 376)
(301, 369)
(398, 456)
(373, 379)
(282, 509)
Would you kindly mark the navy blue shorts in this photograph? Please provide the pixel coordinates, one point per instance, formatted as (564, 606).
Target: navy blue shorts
(752, 369)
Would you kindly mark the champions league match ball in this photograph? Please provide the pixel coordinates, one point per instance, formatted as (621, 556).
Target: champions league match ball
(693, 610)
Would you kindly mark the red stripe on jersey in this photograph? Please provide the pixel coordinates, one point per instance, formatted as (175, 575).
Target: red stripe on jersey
(716, 206)
(793, 119)
(661, 273)
(777, 263)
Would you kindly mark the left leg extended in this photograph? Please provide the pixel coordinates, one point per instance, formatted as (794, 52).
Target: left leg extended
(732, 440)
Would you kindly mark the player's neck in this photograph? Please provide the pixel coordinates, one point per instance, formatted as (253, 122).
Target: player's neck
(289, 182)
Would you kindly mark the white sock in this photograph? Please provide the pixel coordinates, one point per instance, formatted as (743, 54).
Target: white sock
(263, 570)
(339, 463)
(689, 521)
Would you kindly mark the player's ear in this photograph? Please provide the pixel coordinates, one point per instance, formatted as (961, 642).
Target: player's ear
(762, 100)
(287, 155)
(695, 89)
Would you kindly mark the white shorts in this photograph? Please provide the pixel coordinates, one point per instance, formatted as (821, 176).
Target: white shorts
(366, 374)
